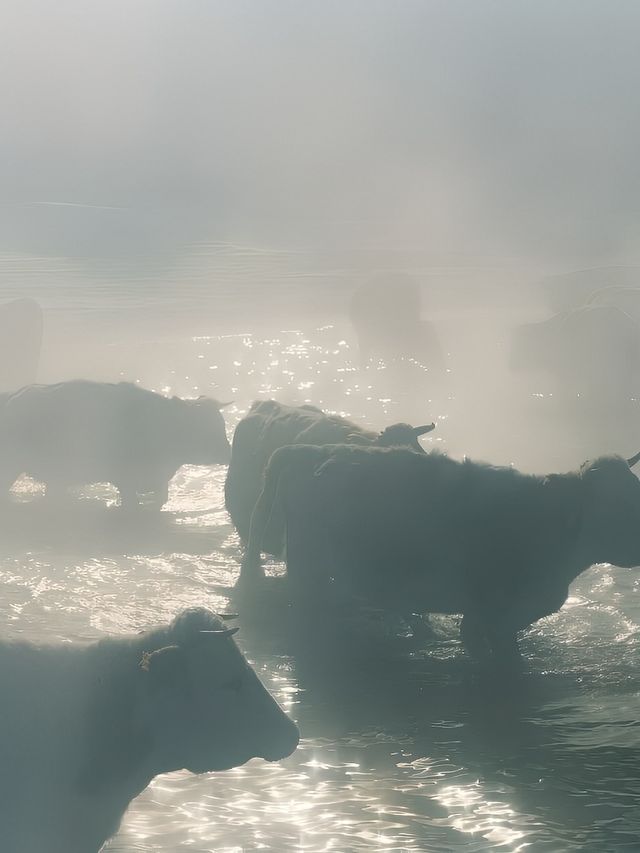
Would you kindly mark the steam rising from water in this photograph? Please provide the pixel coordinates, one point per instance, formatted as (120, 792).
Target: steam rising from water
(471, 127)
(192, 191)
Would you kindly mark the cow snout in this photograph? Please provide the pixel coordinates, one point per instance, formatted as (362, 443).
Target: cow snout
(282, 743)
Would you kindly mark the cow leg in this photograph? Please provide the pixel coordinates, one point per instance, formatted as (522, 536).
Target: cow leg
(420, 627)
(474, 636)
(8, 476)
(160, 494)
(364, 353)
(308, 572)
(251, 570)
(56, 492)
(299, 572)
(128, 495)
(504, 646)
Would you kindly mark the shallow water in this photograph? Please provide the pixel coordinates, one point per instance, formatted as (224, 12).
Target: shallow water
(414, 752)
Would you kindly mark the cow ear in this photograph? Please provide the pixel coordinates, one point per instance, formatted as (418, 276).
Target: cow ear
(166, 666)
(634, 460)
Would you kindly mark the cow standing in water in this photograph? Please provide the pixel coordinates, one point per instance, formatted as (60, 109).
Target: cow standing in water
(270, 425)
(385, 314)
(85, 728)
(416, 533)
(593, 350)
(81, 432)
(20, 342)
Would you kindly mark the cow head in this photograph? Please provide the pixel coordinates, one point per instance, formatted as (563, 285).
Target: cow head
(611, 510)
(403, 435)
(202, 706)
(204, 437)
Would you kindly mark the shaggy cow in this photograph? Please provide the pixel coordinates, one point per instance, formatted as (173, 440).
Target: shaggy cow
(594, 349)
(385, 314)
(567, 291)
(82, 432)
(85, 728)
(421, 532)
(270, 425)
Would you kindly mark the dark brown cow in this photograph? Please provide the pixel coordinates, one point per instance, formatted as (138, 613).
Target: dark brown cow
(418, 533)
(270, 425)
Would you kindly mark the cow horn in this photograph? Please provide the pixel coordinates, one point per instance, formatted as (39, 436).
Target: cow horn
(223, 632)
(205, 398)
(421, 430)
(631, 462)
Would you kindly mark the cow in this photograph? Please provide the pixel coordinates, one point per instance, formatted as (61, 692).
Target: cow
(20, 342)
(594, 349)
(569, 290)
(270, 425)
(86, 727)
(385, 315)
(81, 432)
(416, 533)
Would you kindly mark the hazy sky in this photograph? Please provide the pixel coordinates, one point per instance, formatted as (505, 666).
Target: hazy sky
(462, 123)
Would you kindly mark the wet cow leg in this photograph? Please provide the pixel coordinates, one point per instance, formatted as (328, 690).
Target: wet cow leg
(8, 476)
(474, 637)
(128, 495)
(504, 645)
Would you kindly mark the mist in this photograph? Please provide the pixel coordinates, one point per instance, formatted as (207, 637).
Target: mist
(476, 128)
(230, 227)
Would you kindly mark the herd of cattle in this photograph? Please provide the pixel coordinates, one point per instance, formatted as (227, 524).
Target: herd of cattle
(588, 343)
(362, 519)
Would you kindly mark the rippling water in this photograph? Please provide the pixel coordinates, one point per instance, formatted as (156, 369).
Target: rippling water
(415, 753)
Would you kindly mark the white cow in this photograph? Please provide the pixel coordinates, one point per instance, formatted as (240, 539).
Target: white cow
(85, 728)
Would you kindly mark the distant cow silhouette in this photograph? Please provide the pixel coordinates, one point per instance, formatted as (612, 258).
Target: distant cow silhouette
(385, 314)
(569, 290)
(20, 343)
(81, 432)
(270, 425)
(413, 533)
(593, 350)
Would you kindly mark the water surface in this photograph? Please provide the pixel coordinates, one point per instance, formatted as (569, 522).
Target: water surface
(401, 751)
